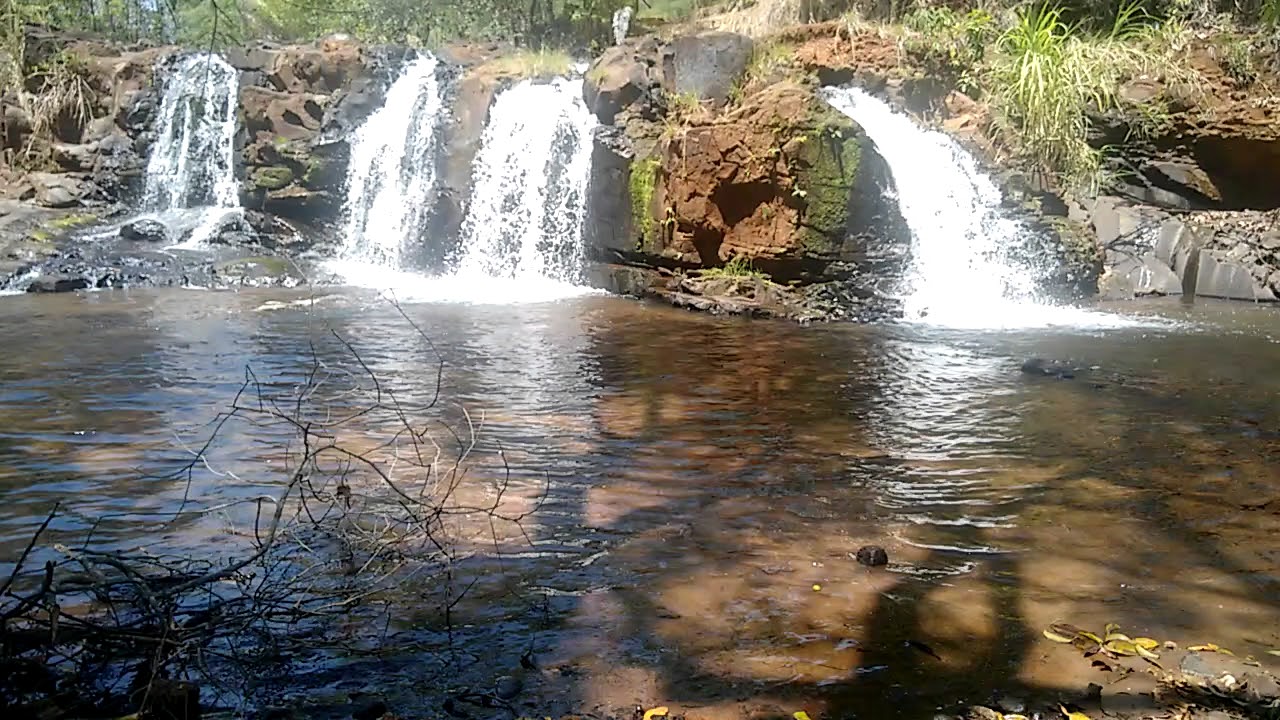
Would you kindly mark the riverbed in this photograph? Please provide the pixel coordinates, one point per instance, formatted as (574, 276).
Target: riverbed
(694, 488)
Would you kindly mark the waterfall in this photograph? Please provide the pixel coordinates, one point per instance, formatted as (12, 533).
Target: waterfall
(529, 187)
(392, 169)
(961, 273)
(191, 171)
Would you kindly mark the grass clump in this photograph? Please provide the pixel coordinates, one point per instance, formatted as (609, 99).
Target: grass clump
(525, 64)
(1046, 76)
(63, 94)
(947, 40)
(1236, 56)
(738, 266)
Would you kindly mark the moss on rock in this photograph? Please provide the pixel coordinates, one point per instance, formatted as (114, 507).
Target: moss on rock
(274, 177)
(830, 151)
(642, 183)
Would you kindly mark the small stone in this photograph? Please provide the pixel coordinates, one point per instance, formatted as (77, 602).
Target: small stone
(872, 555)
(508, 687)
(145, 230)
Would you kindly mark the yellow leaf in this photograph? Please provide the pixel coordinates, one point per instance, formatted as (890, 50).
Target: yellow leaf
(1120, 647)
(1274, 652)
(1091, 636)
(1210, 647)
(816, 587)
(800, 715)
(1072, 715)
(655, 712)
(1146, 643)
(1049, 633)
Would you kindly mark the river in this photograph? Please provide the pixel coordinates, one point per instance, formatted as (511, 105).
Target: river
(695, 487)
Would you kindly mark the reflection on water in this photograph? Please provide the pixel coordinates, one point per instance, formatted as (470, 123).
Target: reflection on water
(704, 475)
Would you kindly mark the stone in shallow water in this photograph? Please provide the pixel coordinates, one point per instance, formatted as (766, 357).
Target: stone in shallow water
(146, 230)
(872, 555)
(58, 285)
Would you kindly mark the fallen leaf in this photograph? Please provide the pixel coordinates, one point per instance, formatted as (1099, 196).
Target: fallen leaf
(1120, 647)
(660, 711)
(1274, 652)
(1146, 642)
(1071, 715)
(1049, 633)
(800, 715)
(1146, 653)
(1210, 647)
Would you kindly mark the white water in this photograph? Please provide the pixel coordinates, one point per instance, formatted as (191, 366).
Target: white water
(392, 170)
(529, 187)
(191, 182)
(959, 276)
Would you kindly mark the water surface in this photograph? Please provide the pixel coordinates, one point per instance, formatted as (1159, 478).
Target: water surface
(704, 475)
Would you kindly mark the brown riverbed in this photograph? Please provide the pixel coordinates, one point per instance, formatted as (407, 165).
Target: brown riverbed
(707, 481)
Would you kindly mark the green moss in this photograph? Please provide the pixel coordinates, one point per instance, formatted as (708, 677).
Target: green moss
(644, 178)
(273, 177)
(72, 221)
(828, 169)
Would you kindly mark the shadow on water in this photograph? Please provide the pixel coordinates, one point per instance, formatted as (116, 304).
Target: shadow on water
(710, 480)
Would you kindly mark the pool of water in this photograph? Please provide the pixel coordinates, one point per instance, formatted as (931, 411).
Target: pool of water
(693, 488)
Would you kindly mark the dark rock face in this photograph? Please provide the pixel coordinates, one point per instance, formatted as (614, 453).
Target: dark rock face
(146, 230)
(58, 285)
(707, 65)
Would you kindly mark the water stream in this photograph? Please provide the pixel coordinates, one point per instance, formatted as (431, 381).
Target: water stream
(961, 273)
(191, 182)
(392, 170)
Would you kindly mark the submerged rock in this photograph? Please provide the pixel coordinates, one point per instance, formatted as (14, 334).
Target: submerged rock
(58, 284)
(872, 556)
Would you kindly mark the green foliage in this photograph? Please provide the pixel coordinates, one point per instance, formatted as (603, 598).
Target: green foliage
(531, 63)
(739, 266)
(1237, 61)
(947, 40)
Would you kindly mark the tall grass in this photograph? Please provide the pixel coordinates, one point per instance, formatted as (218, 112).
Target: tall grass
(1047, 75)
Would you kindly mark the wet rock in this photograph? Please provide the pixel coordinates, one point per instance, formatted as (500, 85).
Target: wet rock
(754, 296)
(872, 556)
(1040, 367)
(624, 76)
(58, 284)
(145, 230)
(508, 687)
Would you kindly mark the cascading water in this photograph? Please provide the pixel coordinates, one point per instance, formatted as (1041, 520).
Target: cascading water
(529, 186)
(961, 274)
(392, 169)
(191, 171)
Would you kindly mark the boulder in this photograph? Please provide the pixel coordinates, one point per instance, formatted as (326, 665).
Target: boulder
(623, 77)
(145, 230)
(776, 181)
(707, 65)
(270, 115)
(54, 190)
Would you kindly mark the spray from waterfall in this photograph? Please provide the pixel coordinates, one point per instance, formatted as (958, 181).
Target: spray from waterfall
(392, 170)
(961, 274)
(191, 180)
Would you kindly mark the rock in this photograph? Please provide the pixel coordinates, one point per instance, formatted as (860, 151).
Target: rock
(1223, 278)
(708, 65)
(270, 115)
(612, 223)
(1040, 367)
(753, 296)
(872, 556)
(785, 181)
(1191, 181)
(58, 191)
(145, 230)
(58, 284)
(621, 77)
